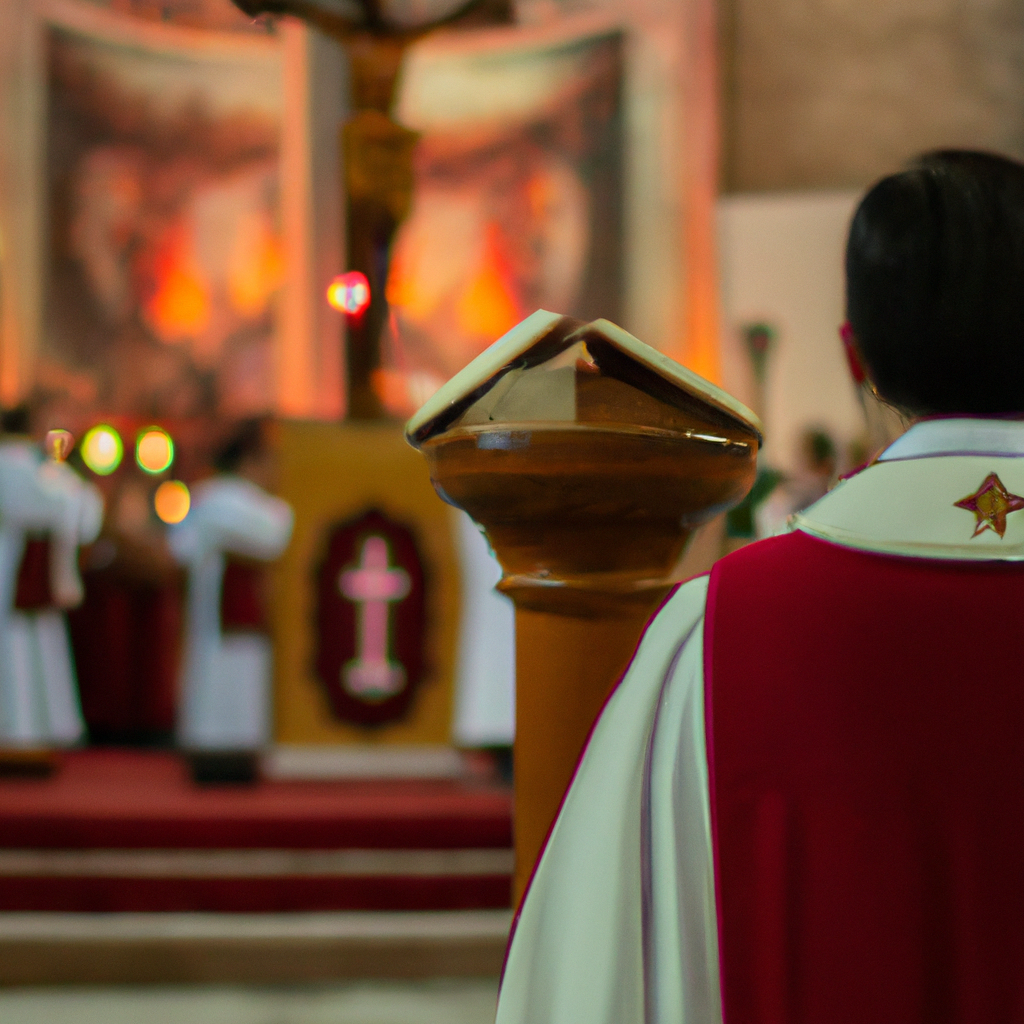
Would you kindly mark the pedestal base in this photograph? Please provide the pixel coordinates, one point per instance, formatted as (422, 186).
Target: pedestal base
(573, 664)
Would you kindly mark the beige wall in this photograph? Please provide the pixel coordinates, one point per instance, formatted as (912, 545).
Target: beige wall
(835, 93)
(781, 262)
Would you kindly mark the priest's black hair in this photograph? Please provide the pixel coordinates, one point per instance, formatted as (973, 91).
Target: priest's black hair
(935, 284)
(247, 439)
(16, 420)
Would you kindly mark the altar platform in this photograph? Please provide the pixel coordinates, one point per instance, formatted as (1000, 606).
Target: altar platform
(127, 831)
(119, 870)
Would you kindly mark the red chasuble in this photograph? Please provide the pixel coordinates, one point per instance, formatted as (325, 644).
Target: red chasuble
(241, 599)
(865, 729)
(32, 589)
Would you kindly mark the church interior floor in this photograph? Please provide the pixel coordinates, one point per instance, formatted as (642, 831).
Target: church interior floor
(441, 1002)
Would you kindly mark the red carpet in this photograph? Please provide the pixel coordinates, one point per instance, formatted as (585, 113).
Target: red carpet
(67, 843)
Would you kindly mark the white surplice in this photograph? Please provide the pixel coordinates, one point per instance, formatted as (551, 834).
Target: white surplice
(39, 703)
(619, 925)
(485, 712)
(226, 679)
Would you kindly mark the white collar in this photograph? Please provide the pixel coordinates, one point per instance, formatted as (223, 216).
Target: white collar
(958, 435)
(906, 503)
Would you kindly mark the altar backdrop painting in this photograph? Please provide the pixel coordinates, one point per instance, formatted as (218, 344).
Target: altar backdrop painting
(518, 196)
(220, 15)
(165, 252)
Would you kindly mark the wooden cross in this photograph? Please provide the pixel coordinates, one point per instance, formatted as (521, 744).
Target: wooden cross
(377, 153)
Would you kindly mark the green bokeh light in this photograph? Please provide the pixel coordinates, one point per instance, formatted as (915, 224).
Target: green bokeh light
(102, 449)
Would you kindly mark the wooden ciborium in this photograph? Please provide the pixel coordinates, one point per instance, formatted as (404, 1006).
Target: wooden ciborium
(588, 459)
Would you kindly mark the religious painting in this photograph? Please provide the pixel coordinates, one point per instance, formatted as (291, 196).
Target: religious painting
(220, 15)
(371, 620)
(165, 258)
(518, 197)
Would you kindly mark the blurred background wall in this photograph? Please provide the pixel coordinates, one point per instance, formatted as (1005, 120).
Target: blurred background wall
(834, 93)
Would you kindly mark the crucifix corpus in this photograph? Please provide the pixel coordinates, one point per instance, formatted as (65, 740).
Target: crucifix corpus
(377, 153)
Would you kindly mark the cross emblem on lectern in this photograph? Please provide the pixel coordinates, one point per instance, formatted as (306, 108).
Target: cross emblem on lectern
(373, 586)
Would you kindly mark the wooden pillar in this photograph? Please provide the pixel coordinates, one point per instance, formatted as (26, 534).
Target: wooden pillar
(567, 664)
(588, 459)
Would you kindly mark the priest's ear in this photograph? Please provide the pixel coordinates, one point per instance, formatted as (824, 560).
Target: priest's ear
(854, 360)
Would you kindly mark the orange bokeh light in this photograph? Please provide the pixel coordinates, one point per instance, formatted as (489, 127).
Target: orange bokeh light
(172, 501)
(154, 450)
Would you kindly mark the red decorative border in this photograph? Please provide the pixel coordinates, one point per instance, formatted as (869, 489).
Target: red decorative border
(254, 895)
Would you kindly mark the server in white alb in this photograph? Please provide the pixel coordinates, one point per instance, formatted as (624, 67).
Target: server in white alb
(234, 523)
(46, 509)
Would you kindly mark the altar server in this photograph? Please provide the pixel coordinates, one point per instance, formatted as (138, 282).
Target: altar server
(226, 670)
(485, 713)
(805, 801)
(46, 512)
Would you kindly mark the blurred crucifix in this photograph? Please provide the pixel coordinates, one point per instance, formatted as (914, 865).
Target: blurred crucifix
(377, 153)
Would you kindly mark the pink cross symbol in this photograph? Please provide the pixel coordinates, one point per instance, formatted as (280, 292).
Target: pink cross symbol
(373, 587)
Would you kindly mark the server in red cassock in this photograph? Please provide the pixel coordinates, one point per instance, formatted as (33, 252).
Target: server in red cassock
(804, 803)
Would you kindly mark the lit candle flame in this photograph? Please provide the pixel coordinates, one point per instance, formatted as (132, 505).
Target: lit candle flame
(58, 444)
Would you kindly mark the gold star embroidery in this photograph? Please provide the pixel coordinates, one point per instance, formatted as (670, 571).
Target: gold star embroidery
(991, 503)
